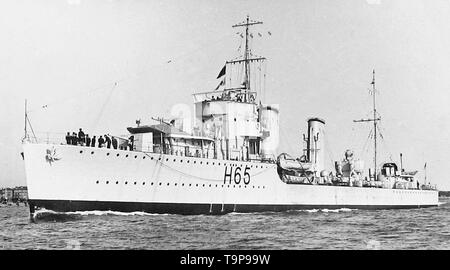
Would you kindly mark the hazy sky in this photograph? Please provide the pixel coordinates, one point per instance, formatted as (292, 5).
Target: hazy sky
(69, 55)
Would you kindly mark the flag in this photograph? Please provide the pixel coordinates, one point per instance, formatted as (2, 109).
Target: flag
(222, 82)
(222, 72)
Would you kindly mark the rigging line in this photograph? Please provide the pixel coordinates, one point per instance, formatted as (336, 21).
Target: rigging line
(194, 176)
(265, 73)
(328, 148)
(385, 144)
(129, 77)
(365, 148)
(29, 123)
(93, 127)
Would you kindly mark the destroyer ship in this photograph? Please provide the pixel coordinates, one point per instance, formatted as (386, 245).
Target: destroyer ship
(225, 161)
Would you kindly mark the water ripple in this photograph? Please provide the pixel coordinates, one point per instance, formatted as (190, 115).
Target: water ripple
(310, 229)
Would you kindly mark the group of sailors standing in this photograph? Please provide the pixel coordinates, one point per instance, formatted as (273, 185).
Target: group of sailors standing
(84, 140)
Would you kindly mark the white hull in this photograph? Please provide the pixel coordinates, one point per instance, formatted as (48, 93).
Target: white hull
(85, 178)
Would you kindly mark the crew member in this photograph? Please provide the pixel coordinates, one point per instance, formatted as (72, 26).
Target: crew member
(114, 142)
(101, 141)
(88, 140)
(81, 137)
(131, 142)
(93, 141)
(68, 138)
(108, 141)
(74, 138)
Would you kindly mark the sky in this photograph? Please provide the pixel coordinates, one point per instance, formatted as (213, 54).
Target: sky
(102, 64)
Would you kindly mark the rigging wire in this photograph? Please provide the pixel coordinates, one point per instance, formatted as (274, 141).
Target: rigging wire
(385, 144)
(328, 148)
(95, 123)
(135, 75)
(194, 176)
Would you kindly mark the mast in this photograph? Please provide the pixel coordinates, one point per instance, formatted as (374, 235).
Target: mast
(375, 121)
(374, 127)
(247, 59)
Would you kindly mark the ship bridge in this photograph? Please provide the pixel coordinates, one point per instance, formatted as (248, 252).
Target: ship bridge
(167, 139)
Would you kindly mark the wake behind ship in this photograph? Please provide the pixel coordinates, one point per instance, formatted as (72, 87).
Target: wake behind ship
(226, 162)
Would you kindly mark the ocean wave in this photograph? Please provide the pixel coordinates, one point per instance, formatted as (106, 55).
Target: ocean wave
(325, 210)
(337, 210)
(113, 213)
(50, 215)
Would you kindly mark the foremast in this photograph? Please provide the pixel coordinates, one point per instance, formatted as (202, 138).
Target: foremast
(247, 57)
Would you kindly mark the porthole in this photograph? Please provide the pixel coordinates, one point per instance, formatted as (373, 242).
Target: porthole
(117, 182)
(203, 185)
(167, 183)
(135, 156)
(107, 182)
(213, 163)
(107, 154)
(207, 163)
(234, 186)
(176, 184)
(126, 155)
(143, 183)
(239, 186)
(143, 157)
(92, 152)
(135, 183)
(201, 162)
(187, 161)
(160, 183)
(126, 183)
(174, 160)
(96, 182)
(190, 184)
(117, 155)
(151, 158)
(182, 185)
(181, 160)
(209, 185)
(218, 163)
(216, 185)
(196, 185)
(167, 159)
(151, 183)
(159, 158)
(81, 152)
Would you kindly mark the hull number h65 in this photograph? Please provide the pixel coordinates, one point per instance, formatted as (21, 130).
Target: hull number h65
(237, 175)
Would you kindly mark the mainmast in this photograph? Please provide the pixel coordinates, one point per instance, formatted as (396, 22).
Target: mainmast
(247, 57)
(374, 120)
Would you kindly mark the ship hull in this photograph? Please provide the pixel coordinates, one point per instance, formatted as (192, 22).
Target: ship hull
(194, 209)
(74, 178)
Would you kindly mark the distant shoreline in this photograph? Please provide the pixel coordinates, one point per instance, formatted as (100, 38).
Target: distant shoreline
(444, 193)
